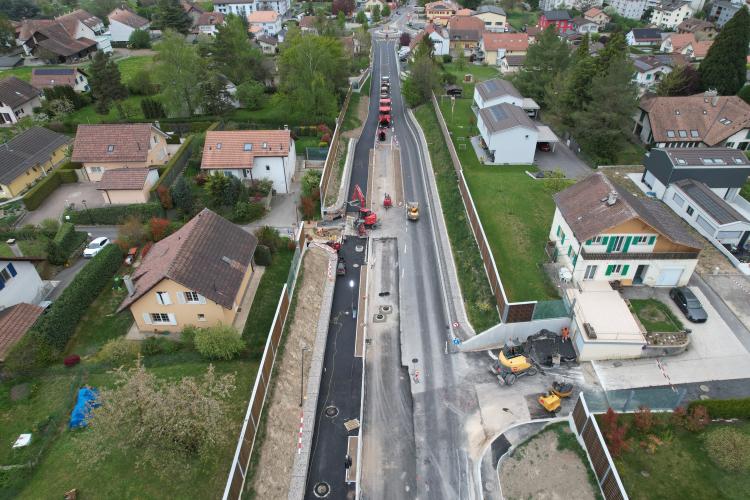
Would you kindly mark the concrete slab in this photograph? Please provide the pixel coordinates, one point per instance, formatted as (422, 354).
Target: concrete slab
(734, 290)
(715, 353)
(563, 159)
(64, 195)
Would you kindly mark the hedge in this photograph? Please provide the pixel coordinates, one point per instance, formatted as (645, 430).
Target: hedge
(114, 215)
(66, 241)
(174, 166)
(37, 194)
(59, 323)
(725, 408)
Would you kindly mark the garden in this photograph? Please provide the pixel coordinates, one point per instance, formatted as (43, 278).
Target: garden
(699, 452)
(655, 315)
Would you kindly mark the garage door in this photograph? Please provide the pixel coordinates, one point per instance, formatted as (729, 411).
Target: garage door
(650, 179)
(669, 277)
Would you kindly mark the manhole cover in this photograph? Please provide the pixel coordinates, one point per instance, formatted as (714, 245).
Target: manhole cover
(415, 360)
(704, 397)
(703, 388)
(355, 266)
(359, 248)
(331, 411)
(321, 489)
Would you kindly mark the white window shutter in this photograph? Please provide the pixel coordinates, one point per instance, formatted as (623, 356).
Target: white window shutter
(201, 299)
(147, 318)
(180, 298)
(167, 300)
(158, 298)
(172, 319)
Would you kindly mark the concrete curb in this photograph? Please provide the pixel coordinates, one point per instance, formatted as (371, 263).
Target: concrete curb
(454, 288)
(298, 479)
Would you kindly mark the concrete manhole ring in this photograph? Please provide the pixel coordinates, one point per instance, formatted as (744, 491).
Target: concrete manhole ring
(378, 318)
(386, 309)
(359, 248)
(703, 388)
(321, 489)
(705, 397)
(331, 411)
(355, 266)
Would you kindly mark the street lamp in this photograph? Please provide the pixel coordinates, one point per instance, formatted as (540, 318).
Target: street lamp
(91, 219)
(351, 285)
(302, 377)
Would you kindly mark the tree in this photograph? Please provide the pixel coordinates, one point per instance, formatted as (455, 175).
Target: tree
(546, 61)
(217, 185)
(169, 14)
(60, 108)
(100, 8)
(177, 72)
(7, 35)
(405, 39)
(312, 69)
(221, 342)
(215, 98)
(423, 78)
(375, 12)
(105, 82)
(361, 18)
(251, 94)
(158, 227)
(182, 196)
(166, 423)
(152, 109)
(140, 39)
(19, 9)
(386, 11)
(131, 233)
(681, 81)
(141, 84)
(571, 93)
(744, 93)
(345, 6)
(605, 121)
(234, 56)
(724, 67)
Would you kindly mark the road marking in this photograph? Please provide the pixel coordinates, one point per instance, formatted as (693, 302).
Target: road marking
(404, 247)
(402, 272)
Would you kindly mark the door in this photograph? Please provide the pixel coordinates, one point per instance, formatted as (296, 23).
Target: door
(640, 272)
(669, 277)
(589, 273)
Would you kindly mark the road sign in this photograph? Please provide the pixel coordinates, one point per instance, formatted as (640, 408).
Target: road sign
(456, 341)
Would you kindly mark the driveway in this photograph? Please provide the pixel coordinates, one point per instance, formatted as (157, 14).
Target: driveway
(53, 206)
(734, 291)
(562, 158)
(715, 353)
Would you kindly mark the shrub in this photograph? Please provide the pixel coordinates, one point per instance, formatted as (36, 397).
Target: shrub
(725, 408)
(263, 256)
(115, 214)
(697, 419)
(66, 241)
(152, 109)
(140, 39)
(57, 325)
(158, 228)
(729, 448)
(269, 237)
(35, 196)
(643, 419)
(118, 352)
(141, 84)
(152, 346)
(447, 58)
(49, 225)
(131, 233)
(245, 212)
(187, 336)
(219, 342)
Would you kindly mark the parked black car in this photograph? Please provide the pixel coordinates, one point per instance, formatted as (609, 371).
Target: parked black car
(688, 304)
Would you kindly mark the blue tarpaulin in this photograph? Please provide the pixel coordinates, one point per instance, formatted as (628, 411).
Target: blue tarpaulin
(82, 412)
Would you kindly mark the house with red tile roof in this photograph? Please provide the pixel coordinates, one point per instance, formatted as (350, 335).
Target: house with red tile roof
(497, 46)
(15, 321)
(126, 186)
(45, 78)
(118, 146)
(252, 155)
(264, 21)
(63, 39)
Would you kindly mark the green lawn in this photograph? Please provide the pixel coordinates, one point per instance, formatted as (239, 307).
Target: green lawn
(679, 467)
(265, 302)
(475, 288)
(128, 67)
(5, 250)
(101, 323)
(655, 316)
(88, 115)
(745, 191)
(479, 72)
(516, 210)
(351, 120)
(518, 17)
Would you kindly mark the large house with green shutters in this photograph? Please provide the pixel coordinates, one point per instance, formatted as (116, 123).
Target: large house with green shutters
(602, 232)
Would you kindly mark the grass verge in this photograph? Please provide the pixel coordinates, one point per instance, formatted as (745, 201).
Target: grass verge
(655, 315)
(478, 298)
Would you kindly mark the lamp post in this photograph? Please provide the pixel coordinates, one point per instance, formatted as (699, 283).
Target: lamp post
(302, 377)
(91, 219)
(351, 285)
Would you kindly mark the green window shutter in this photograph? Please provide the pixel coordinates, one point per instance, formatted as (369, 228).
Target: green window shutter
(651, 240)
(562, 241)
(558, 231)
(575, 259)
(627, 244)
(609, 270)
(611, 244)
(624, 271)
(588, 242)
(605, 239)
(570, 250)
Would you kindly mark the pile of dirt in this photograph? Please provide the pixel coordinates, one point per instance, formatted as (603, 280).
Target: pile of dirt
(282, 416)
(539, 470)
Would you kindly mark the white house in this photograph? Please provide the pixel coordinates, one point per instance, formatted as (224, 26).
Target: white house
(252, 155)
(45, 78)
(264, 21)
(643, 37)
(669, 15)
(439, 36)
(123, 22)
(208, 23)
(496, 91)
(601, 232)
(545, 5)
(19, 281)
(649, 70)
(508, 134)
(280, 6)
(17, 100)
(239, 7)
(632, 9)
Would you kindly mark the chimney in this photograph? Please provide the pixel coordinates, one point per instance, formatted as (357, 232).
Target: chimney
(611, 198)
(14, 247)
(713, 95)
(129, 285)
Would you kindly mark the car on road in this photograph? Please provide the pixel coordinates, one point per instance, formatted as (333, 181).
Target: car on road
(341, 267)
(544, 146)
(96, 246)
(688, 304)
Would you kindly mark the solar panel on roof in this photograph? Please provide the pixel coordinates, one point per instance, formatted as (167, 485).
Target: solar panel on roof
(54, 71)
(498, 113)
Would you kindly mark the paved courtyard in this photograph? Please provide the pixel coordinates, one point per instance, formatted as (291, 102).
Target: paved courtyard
(563, 159)
(53, 206)
(715, 353)
(734, 290)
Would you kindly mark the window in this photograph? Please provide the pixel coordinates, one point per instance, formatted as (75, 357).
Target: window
(268, 168)
(110, 148)
(248, 147)
(5, 274)
(201, 317)
(670, 133)
(95, 170)
(163, 298)
(694, 133)
(683, 133)
(192, 297)
(705, 225)
(639, 240)
(678, 199)
(690, 210)
(160, 318)
(218, 145)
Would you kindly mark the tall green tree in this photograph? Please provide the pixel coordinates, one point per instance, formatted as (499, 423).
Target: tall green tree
(681, 81)
(375, 13)
(312, 70)
(19, 9)
(724, 67)
(234, 55)
(423, 77)
(105, 81)
(178, 71)
(604, 123)
(546, 60)
(361, 18)
(169, 14)
(182, 196)
(100, 8)
(215, 98)
(7, 35)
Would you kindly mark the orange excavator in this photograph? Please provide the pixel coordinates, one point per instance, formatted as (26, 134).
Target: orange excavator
(367, 218)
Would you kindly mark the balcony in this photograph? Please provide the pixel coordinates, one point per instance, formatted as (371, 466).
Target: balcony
(639, 256)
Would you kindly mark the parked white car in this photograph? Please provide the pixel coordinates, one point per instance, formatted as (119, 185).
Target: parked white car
(96, 246)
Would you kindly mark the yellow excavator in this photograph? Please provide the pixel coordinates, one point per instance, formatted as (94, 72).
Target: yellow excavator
(412, 210)
(511, 364)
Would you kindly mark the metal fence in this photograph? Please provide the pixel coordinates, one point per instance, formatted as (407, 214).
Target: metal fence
(316, 154)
